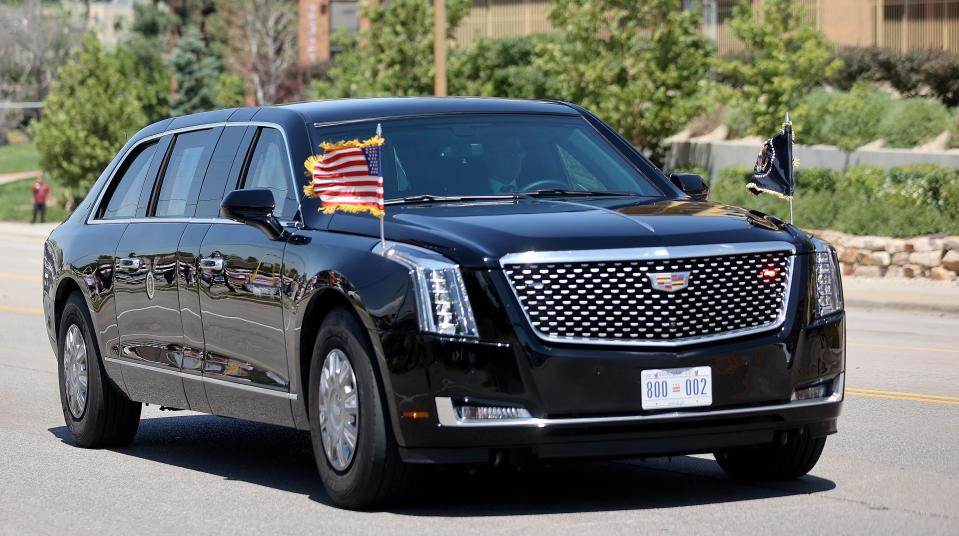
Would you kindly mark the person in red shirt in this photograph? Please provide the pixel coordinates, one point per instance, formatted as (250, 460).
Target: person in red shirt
(40, 191)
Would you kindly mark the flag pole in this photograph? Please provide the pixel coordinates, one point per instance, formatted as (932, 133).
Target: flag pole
(788, 128)
(379, 132)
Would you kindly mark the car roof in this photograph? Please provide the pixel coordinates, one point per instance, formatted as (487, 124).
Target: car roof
(331, 111)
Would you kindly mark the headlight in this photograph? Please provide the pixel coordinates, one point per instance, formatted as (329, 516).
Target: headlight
(828, 286)
(442, 304)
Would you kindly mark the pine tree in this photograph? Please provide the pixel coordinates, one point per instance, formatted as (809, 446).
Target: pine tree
(196, 70)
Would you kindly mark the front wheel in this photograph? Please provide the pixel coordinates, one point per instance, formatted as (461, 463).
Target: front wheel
(356, 453)
(778, 461)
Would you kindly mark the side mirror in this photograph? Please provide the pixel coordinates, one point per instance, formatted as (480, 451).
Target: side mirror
(693, 185)
(253, 207)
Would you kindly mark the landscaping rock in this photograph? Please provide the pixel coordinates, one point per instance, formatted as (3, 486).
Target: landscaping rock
(870, 271)
(895, 245)
(848, 269)
(951, 260)
(951, 243)
(901, 258)
(894, 271)
(929, 259)
(850, 255)
(876, 258)
(924, 243)
(912, 270)
(941, 274)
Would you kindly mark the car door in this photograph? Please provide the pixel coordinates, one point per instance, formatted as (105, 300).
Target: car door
(106, 225)
(240, 280)
(148, 306)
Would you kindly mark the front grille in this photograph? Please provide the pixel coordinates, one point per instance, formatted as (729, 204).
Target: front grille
(615, 302)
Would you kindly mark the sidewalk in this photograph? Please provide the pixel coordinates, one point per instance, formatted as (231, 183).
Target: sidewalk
(902, 294)
(12, 177)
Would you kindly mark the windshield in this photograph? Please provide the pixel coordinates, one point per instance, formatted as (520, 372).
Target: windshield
(482, 155)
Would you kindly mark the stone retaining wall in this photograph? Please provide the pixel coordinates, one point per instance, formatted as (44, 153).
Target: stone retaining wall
(931, 257)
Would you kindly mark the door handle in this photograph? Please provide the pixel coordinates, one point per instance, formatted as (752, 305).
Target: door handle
(214, 264)
(130, 264)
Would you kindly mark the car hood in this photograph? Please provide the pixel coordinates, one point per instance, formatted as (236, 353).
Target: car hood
(479, 233)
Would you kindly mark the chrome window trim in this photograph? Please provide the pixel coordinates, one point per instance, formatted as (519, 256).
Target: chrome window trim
(446, 414)
(647, 254)
(92, 220)
(205, 379)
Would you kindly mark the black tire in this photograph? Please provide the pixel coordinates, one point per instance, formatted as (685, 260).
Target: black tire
(376, 475)
(108, 418)
(778, 461)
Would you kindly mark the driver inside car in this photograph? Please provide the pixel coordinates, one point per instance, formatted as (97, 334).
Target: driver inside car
(504, 159)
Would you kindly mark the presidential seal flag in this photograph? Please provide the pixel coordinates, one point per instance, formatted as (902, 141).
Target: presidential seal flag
(348, 176)
(773, 172)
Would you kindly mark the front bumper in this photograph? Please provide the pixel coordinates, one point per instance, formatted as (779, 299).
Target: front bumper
(671, 433)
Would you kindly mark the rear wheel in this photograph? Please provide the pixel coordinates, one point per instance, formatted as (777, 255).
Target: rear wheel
(779, 461)
(97, 414)
(356, 453)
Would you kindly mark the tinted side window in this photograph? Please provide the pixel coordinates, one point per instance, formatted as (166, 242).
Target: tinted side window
(183, 173)
(224, 168)
(270, 168)
(122, 201)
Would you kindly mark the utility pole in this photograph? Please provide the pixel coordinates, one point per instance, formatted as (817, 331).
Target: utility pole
(439, 47)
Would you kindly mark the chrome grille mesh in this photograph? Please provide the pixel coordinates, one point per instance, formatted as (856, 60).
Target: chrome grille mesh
(613, 301)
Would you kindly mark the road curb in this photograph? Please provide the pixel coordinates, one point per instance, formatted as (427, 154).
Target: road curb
(944, 308)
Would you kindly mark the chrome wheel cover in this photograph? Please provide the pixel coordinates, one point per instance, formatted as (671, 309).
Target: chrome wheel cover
(75, 370)
(339, 409)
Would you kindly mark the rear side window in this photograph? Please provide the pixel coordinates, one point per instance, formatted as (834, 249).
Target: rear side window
(269, 168)
(183, 173)
(122, 201)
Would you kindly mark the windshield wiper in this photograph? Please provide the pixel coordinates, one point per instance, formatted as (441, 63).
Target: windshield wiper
(564, 191)
(428, 198)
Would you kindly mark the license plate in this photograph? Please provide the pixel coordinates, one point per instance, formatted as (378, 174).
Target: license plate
(677, 387)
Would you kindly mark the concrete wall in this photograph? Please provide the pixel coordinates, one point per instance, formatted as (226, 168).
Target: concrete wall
(719, 155)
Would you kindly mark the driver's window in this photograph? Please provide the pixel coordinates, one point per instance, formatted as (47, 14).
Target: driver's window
(269, 168)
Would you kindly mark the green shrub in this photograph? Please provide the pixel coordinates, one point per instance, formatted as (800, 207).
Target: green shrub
(845, 119)
(500, 68)
(953, 141)
(903, 201)
(738, 121)
(909, 73)
(914, 121)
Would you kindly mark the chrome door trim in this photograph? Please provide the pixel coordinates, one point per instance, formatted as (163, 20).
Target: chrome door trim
(91, 220)
(205, 379)
(654, 253)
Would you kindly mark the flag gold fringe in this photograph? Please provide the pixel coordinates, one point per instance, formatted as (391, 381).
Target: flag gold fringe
(312, 161)
(352, 209)
(753, 187)
(344, 144)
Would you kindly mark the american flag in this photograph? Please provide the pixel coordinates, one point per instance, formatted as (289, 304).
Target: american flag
(348, 177)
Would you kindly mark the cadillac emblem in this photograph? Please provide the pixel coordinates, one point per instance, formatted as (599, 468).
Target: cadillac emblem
(669, 281)
(151, 285)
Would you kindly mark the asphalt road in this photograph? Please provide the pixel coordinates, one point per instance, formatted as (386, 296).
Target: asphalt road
(893, 467)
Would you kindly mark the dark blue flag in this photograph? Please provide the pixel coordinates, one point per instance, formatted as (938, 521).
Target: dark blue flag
(773, 172)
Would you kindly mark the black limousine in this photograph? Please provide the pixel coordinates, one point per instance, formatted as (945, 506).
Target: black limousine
(543, 292)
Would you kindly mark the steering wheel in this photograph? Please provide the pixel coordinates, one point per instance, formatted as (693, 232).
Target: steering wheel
(544, 184)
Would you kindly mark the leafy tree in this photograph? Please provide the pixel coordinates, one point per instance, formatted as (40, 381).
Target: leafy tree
(641, 65)
(141, 52)
(90, 112)
(393, 57)
(788, 59)
(196, 71)
(501, 68)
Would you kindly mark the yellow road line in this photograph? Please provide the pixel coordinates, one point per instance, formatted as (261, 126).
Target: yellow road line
(898, 393)
(908, 398)
(20, 277)
(902, 347)
(24, 310)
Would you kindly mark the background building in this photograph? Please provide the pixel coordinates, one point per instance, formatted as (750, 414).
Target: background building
(896, 24)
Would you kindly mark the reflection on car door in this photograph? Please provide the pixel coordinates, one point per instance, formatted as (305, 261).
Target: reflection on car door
(148, 307)
(240, 279)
